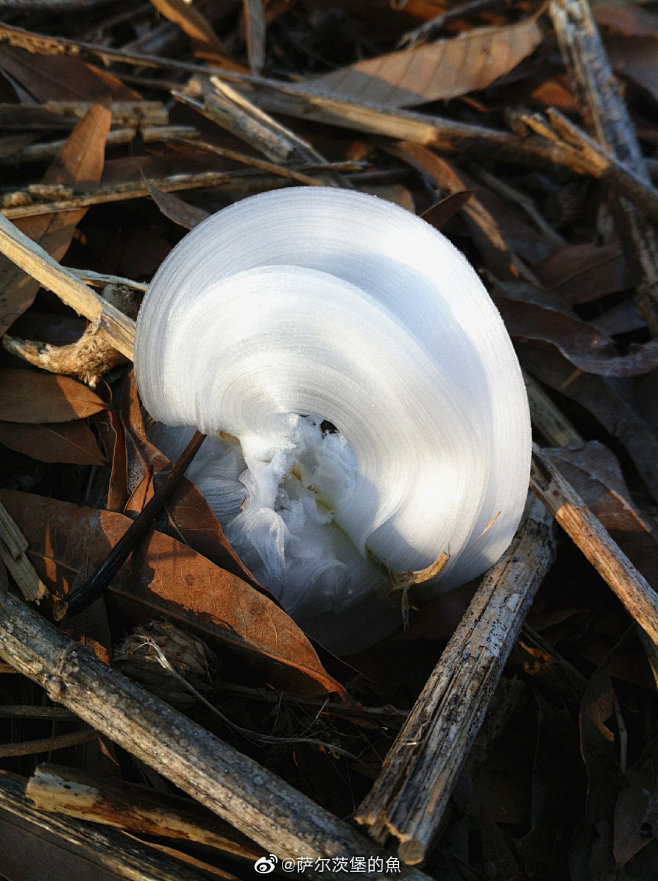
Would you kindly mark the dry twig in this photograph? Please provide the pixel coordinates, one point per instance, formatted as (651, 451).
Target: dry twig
(419, 773)
(586, 531)
(251, 798)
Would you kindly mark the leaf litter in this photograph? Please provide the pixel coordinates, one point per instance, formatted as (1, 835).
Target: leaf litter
(564, 784)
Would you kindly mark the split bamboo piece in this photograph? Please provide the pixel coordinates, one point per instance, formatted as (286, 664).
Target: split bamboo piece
(422, 767)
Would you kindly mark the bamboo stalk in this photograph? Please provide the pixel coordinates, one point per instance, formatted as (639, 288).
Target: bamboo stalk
(256, 802)
(422, 767)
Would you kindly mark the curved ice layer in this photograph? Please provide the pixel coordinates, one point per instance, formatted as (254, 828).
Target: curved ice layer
(312, 304)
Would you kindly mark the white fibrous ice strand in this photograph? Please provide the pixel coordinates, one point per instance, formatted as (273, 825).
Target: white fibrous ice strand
(373, 402)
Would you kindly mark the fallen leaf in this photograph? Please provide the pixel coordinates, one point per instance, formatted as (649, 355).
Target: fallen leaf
(65, 442)
(635, 59)
(35, 397)
(622, 318)
(636, 811)
(176, 209)
(610, 401)
(556, 784)
(187, 515)
(583, 273)
(440, 213)
(80, 161)
(628, 20)
(433, 71)
(583, 345)
(68, 542)
(62, 78)
(604, 777)
(487, 235)
(190, 20)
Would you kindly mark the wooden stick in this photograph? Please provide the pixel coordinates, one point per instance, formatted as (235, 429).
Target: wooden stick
(32, 258)
(277, 97)
(71, 793)
(548, 418)
(608, 119)
(256, 802)
(78, 847)
(47, 744)
(13, 545)
(586, 531)
(410, 796)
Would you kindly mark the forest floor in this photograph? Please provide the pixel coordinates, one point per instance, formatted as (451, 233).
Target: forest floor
(122, 126)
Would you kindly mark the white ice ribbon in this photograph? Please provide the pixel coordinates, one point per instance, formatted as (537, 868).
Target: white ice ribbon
(310, 304)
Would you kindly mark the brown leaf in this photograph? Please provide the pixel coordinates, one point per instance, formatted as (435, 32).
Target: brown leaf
(636, 59)
(433, 71)
(440, 213)
(628, 20)
(486, 232)
(62, 78)
(205, 42)
(583, 273)
(636, 811)
(604, 776)
(28, 396)
(66, 442)
(583, 345)
(187, 512)
(608, 400)
(175, 208)
(68, 542)
(80, 161)
(595, 474)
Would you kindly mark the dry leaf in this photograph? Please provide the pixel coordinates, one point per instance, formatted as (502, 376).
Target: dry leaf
(65, 442)
(604, 776)
(136, 462)
(628, 20)
(636, 59)
(28, 396)
(175, 208)
(636, 811)
(585, 272)
(441, 212)
(80, 161)
(584, 346)
(433, 71)
(68, 542)
(608, 400)
(205, 42)
(62, 78)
